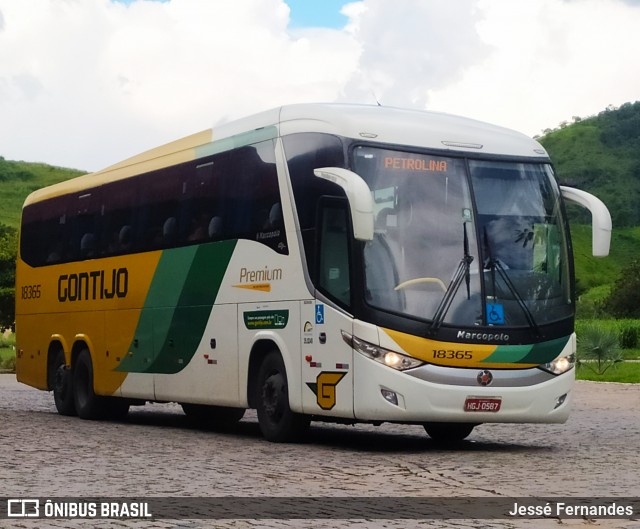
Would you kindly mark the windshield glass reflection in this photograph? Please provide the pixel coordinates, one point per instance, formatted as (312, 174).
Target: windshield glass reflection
(423, 208)
(424, 259)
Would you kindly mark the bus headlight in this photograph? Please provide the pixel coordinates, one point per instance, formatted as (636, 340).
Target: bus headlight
(384, 356)
(560, 365)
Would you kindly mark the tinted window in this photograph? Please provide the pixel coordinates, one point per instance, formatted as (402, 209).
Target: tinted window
(230, 195)
(306, 152)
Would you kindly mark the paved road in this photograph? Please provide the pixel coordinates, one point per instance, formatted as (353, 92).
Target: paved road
(156, 453)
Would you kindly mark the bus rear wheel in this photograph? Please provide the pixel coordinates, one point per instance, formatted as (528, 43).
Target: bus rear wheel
(448, 432)
(62, 384)
(277, 422)
(88, 404)
(218, 417)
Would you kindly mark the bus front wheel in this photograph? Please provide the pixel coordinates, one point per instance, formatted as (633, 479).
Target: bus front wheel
(448, 432)
(276, 420)
(62, 384)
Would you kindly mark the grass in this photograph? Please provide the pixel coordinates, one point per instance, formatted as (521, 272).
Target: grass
(627, 372)
(7, 358)
(8, 352)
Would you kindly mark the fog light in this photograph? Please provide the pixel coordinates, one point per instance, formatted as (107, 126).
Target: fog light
(560, 401)
(389, 396)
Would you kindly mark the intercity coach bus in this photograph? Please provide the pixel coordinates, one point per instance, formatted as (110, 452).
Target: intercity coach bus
(314, 262)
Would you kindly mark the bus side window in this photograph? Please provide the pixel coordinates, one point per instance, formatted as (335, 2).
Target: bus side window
(333, 271)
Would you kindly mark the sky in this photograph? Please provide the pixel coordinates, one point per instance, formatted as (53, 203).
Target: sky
(87, 83)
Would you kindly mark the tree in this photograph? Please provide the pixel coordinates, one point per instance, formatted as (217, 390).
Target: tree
(624, 300)
(8, 253)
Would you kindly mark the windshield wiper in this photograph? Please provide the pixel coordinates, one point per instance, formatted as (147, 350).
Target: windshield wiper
(462, 272)
(492, 264)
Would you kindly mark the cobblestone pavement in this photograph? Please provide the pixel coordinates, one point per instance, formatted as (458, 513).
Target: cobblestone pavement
(156, 453)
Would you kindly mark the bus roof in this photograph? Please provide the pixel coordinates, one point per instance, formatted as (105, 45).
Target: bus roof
(365, 122)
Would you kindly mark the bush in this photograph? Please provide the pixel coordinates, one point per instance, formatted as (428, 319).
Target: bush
(8, 340)
(9, 364)
(623, 299)
(598, 348)
(629, 334)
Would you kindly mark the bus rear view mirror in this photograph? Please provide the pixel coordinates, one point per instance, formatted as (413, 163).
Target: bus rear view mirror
(600, 218)
(358, 195)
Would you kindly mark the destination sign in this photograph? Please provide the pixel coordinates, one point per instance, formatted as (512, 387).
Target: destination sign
(426, 165)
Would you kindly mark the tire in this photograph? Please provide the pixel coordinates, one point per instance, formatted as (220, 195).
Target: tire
(277, 422)
(216, 417)
(62, 385)
(88, 405)
(448, 432)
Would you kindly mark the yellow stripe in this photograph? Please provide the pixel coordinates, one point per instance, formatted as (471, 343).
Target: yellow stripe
(443, 353)
(264, 287)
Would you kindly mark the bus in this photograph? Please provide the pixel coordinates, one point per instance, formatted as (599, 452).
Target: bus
(315, 262)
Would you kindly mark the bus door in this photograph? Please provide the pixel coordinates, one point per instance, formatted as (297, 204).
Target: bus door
(327, 359)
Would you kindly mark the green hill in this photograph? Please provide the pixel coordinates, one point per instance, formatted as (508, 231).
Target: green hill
(596, 275)
(18, 179)
(601, 154)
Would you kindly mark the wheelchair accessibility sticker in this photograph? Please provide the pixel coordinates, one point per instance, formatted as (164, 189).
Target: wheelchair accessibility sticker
(495, 314)
(319, 314)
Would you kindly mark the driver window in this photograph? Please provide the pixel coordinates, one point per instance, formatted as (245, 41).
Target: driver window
(333, 253)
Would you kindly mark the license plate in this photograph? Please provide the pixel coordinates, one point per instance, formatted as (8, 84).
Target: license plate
(486, 404)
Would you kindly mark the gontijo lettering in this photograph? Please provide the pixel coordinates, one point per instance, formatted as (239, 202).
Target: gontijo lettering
(97, 284)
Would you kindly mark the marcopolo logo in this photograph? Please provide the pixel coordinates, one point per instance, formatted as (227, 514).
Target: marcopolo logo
(483, 336)
(98, 284)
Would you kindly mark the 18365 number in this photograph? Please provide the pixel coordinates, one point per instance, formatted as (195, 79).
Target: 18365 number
(450, 354)
(31, 291)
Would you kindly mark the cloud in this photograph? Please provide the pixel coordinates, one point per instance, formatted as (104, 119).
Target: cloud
(550, 60)
(409, 48)
(116, 79)
(86, 83)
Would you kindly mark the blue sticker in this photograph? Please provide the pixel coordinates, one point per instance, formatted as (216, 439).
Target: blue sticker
(495, 314)
(319, 314)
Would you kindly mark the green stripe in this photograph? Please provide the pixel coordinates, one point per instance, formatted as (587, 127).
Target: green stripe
(544, 352)
(508, 354)
(239, 140)
(175, 314)
(539, 353)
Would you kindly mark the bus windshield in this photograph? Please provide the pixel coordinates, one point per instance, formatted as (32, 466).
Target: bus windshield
(436, 257)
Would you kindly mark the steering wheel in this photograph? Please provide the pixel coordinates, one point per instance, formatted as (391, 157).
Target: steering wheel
(420, 280)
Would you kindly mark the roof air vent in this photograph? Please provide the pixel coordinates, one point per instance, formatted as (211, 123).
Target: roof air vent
(462, 145)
